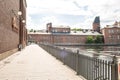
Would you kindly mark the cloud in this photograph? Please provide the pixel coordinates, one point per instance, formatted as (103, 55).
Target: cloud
(31, 24)
(55, 6)
(51, 11)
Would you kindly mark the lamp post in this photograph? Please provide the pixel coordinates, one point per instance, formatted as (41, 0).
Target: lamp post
(21, 16)
(18, 15)
(21, 32)
(22, 24)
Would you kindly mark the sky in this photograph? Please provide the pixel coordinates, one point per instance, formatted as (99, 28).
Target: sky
(73, 13)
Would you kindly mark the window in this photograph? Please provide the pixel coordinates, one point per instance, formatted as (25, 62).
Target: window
(118, 36)
(110, 31)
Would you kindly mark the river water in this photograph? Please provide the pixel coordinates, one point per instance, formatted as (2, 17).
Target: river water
(102, 52)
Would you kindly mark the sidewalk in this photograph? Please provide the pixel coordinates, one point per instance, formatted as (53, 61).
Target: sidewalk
(33, 63)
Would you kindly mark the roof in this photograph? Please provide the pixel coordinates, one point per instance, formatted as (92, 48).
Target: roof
(60, 26)
(97, 19)
(72, 33)
(79, 33)
(111, 26)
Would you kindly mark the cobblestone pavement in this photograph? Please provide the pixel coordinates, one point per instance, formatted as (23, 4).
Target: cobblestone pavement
(33, 63)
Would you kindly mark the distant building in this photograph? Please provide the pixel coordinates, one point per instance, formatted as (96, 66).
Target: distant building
(112, 33)
(96, 24)
(61, 38)
(61, 35)
(12, 26)
(57, 29)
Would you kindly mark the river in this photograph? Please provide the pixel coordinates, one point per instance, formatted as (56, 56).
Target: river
(102, 52)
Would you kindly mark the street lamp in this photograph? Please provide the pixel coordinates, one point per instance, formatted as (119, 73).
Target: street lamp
(19, 13)
(23, 21)
(19, 16)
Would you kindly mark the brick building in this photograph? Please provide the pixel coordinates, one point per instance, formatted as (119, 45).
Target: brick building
(58, 29)
(61, 36)
(12, 26)
(112, 33)
(96, 24)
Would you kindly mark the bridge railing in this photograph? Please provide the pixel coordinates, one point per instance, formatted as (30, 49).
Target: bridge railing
(90, 68)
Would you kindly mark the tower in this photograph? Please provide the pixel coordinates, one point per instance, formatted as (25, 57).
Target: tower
(96, 24)
(49, 27)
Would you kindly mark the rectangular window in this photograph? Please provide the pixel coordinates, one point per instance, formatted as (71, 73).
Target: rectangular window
(109, 31)
(112, 31)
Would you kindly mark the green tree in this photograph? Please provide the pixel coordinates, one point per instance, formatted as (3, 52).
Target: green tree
(31, 30)
(76, 29)
(89, 39)
(35, 31)
(98, 39)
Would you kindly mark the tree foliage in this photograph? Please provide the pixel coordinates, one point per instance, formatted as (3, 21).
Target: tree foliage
(96, 39)
(31, 30)
(76, 29)
(90, 39)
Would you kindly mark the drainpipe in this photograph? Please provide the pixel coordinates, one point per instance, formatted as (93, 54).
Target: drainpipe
(20, 27)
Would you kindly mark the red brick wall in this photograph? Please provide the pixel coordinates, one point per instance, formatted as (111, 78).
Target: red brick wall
(44, 38)
(9, 39)
(69, 39)
(96, 27)
(50, 38)
(111, 35)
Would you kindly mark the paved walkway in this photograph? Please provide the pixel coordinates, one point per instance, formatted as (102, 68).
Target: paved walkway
(33, 63)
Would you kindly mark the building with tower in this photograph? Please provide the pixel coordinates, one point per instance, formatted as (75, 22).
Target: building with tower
(96, 24)
(61, 35)
(111, 33)
(57, 29)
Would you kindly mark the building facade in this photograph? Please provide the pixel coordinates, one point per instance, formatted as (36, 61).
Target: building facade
(12, 29)
(61, 38)
(58, 29)
(111, 34)
(61, 35)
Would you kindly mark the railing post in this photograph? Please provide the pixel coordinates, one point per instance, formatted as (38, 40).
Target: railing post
(63, 55)
(77, 62)
(114, 69)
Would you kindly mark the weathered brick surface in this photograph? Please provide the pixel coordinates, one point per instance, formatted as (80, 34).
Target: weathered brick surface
(111, 35)
(50, 38)
(9, 39)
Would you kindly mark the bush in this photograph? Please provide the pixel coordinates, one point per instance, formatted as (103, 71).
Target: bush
(97, 39)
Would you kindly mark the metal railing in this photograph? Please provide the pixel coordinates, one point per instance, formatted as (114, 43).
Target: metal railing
(90, 68)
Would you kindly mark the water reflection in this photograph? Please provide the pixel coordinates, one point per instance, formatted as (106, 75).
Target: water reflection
(100, 52)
